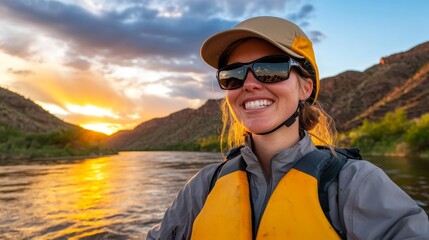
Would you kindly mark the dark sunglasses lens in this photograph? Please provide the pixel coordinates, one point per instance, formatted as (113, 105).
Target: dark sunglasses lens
(231, 78)
(271, 72)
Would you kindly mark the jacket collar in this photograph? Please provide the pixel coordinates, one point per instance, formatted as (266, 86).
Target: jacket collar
(283, 161)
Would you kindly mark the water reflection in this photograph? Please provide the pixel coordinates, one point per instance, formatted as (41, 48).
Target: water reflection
(115, 197)
(410, 174)
(122, 196)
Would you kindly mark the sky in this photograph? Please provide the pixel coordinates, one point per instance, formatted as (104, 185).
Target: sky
(109, 65)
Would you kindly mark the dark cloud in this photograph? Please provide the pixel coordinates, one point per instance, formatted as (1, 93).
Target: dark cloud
(305, 11)
(188, 88)
(21, 72)
(131, 33)
(302, 16)
(201, 9)
(78, 63)
(240, 9)
(181, 65)
(135, 30)
(136, 33)
(316, 36)
(16, 45)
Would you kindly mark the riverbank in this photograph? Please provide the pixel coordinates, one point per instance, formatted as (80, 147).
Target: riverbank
(50, 157)
(393, 135)
(424, 155)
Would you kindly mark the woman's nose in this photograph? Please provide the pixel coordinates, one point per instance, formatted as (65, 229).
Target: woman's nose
(251, 82)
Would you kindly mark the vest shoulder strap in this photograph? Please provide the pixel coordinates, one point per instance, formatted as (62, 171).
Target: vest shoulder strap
(233, 153)
(325, 166)
(330, 172)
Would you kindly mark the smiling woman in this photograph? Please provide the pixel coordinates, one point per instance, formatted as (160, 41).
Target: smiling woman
(274, 183)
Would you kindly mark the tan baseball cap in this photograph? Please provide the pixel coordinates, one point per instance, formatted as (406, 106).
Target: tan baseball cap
(278, 31)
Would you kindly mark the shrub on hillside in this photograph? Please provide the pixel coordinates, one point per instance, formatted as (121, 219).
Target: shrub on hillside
(72, 142)
(382, 135)
(417, 136)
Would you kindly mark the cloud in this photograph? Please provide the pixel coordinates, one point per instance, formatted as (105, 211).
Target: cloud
(78, 63)
(316, 36)
(109, 52)
(16, 44)
(22, 72)
(302, 16)
(189, 87)
(134, 32)
(305, 11)
(165, 35)
(139, 30)
(80, 88)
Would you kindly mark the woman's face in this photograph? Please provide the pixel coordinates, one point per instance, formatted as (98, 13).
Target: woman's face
(258, 106)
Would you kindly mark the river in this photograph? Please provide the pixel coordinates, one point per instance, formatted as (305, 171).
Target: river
(122, 196)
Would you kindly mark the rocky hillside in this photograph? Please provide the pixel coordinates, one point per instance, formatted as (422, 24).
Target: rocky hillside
(24, 114)
(28, 131)
(183, 128)
(398, 81)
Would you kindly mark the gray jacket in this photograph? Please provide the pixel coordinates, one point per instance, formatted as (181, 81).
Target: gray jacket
(365, 203)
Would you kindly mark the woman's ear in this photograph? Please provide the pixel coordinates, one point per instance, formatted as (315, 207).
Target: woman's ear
(306, 88)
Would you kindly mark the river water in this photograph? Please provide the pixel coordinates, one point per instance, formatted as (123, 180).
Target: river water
(122, 196)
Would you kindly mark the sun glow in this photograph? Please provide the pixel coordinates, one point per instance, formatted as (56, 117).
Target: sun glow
(91, 110)
(53, 108)
(106, 128)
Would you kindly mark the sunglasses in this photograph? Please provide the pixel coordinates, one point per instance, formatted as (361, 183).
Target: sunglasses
(269, 69)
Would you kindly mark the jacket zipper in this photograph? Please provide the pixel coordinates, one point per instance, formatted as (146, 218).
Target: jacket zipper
(268, 180)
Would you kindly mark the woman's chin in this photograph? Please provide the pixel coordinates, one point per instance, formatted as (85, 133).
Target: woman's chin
(259, 129)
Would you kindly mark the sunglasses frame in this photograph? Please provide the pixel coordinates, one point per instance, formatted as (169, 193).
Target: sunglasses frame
(249, 65)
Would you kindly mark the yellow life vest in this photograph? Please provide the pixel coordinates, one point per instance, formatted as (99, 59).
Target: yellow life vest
(292, 212)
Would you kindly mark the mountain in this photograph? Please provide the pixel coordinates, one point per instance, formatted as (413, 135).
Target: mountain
(28, 131)
(398, 81)
(177, 131)
(24, 114)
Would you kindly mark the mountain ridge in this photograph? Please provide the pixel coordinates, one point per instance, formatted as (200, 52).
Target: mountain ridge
(29, 131)
(400, 80)
(353, 96)
(22, 113)
(172, 131)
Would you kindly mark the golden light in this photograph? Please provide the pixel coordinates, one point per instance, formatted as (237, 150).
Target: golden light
(53, 108)
(106, 128)
(91, 110)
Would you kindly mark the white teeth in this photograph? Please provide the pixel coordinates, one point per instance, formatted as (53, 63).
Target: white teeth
(257, 104)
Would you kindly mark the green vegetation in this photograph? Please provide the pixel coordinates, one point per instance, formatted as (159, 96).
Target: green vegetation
(15, 143)
(210, 144)
(417, 136)
(394, 134)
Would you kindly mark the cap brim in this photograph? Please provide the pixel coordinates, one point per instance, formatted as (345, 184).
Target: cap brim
(214, 46)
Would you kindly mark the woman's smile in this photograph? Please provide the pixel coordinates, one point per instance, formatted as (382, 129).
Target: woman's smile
(257, 104)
